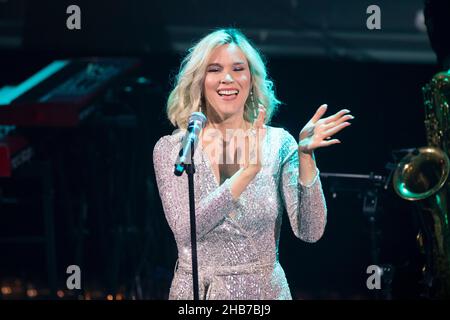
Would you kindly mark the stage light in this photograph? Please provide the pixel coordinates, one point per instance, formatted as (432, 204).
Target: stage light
(6, 290)
(119, 296)
(32, 293)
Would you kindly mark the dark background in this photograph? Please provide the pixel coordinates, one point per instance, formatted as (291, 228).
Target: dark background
(316, 53)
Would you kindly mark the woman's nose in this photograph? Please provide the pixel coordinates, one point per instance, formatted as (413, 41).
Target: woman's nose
(227, 79)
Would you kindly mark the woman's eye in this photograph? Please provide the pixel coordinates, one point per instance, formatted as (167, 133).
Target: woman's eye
(238, 69)
(213, 70)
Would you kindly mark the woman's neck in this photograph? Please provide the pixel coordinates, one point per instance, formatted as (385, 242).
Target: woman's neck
(228, 124)
(226, 127)
(223, 123)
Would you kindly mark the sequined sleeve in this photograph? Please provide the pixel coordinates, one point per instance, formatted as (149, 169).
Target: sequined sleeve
(173, 191)
(305, 204)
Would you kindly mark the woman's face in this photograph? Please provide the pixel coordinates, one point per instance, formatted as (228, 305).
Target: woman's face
(227, 81)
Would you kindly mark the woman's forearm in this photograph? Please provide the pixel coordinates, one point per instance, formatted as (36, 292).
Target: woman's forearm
(240, 180)
(307, 167)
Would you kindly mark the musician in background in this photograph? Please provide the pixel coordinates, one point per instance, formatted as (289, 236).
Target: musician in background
(241, 189)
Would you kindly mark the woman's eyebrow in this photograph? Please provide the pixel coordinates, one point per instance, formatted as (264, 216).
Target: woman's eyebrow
(219, 65)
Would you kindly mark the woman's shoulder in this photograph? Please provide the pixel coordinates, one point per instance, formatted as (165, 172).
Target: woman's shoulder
(282, 141)
(280, 134)
(167, 142)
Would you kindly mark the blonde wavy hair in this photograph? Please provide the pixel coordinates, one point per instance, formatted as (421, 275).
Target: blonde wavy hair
(187, 95)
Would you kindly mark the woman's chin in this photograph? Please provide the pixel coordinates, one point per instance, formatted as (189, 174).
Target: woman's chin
(227, 113)
(230, 107)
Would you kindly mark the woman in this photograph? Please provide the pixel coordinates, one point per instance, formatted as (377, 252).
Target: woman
(241, 189)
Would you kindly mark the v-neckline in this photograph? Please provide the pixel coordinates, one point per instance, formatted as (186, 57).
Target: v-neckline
(208, 163)
(205, 158)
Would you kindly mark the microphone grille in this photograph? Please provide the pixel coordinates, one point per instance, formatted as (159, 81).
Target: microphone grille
(197, 117)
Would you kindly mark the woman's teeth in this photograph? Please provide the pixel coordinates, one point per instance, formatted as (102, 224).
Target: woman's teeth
(227, 92)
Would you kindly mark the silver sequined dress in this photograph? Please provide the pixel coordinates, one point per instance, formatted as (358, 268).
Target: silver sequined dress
(238, 239)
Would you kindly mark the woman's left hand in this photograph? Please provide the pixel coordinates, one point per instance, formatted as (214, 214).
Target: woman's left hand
(317, 132)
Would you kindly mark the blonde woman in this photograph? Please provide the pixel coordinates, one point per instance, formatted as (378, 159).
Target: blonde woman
(247, 173)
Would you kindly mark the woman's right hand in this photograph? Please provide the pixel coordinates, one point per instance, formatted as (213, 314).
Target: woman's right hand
(254, 142)
(252, 156)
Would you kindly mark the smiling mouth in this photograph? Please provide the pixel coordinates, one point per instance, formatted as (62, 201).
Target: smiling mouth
(228, 93)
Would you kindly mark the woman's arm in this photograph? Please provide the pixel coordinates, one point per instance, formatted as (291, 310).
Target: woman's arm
(173, 190)
(308, 169)
(301, 184)
(304, 202)
(240, 180)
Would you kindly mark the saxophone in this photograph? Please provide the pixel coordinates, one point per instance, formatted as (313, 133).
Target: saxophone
(422, 177)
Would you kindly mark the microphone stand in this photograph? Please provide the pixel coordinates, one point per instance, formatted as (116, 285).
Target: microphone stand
(196, 123)
(190, 170)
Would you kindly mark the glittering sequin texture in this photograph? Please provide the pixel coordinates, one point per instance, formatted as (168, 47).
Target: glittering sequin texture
(237, 240)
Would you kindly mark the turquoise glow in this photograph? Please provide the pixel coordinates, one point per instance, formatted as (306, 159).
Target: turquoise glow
(8, 94)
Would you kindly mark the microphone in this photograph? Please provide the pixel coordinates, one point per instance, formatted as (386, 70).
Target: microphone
(197, 122)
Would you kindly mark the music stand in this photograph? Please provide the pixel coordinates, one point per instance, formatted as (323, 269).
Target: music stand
(370, 187)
